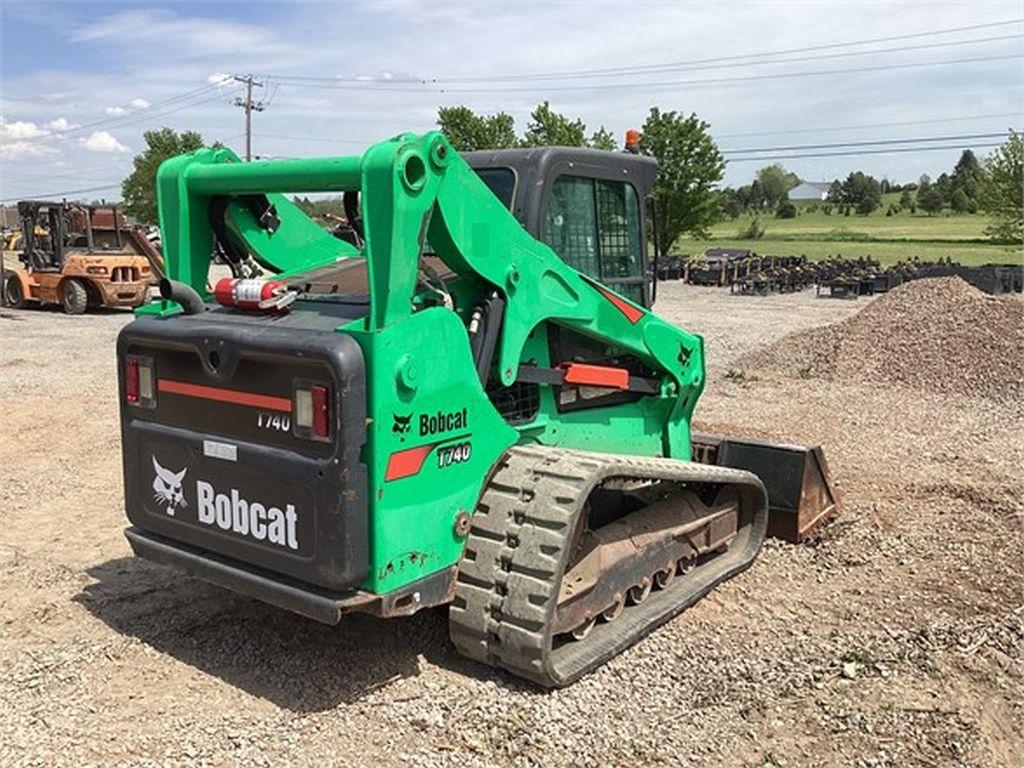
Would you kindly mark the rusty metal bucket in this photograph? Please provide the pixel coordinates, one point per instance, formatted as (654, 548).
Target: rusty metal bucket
(801, 496)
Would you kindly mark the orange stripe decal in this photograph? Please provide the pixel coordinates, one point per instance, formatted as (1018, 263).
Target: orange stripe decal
(596, 375)
(632, 313)
(408, 462)
(224, 395)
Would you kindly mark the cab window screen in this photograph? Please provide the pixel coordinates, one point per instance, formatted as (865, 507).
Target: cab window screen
(594, 226)
(570, 223)
(501, 181)
(619, 224)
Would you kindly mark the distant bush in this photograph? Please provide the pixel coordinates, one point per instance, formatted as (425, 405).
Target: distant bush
(786, 210)
(866, 205)
(753, 231)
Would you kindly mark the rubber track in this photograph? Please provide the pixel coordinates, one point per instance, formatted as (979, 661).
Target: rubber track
(516, 553)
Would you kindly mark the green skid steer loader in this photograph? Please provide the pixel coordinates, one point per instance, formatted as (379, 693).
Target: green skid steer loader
(461, 399)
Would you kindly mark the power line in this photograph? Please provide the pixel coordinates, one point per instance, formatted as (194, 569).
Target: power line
(150, 111)
(725, 62)
(64, 193)
(317, 138)
(664, 84)
(805, 49)
(864, 143)
(858, 152)
(820, 129)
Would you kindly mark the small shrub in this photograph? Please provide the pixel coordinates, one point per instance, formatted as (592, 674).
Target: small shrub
(786, 210)
(753, 231)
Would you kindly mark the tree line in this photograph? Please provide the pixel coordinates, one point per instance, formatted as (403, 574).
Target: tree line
(687, 198)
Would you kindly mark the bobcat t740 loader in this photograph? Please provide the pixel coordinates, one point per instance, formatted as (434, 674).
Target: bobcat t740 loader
(462, 399)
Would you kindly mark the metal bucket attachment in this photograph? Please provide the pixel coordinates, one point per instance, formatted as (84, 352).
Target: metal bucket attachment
(800, 492)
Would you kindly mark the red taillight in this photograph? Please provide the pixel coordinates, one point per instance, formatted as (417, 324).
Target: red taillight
(131, 381)
(138, 381)
(321, 412)
(311, 410)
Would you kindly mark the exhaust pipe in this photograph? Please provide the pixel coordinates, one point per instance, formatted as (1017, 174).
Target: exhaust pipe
(184, 294)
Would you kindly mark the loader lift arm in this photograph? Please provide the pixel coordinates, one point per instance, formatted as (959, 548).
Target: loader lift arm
(415, 191)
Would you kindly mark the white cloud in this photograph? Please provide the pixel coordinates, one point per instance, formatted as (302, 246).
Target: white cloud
(101, 141)
(15, 149)
(114, 111)
(219, 78)
(60, 125)
(188, 38)
(139, 104)
(19, 130)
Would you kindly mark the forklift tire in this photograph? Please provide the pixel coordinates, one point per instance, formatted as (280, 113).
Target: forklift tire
(73, 297)
(14, 294)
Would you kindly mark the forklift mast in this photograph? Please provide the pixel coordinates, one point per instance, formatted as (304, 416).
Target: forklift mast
(51, 217)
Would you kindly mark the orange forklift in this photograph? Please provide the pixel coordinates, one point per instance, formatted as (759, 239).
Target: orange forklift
(78, 256)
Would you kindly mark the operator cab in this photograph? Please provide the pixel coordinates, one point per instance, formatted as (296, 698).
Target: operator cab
(585, 204)
(50, 230)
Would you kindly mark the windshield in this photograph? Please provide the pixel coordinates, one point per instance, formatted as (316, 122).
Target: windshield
(501, 181)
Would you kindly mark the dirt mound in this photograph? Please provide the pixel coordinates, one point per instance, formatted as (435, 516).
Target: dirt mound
(939, 334)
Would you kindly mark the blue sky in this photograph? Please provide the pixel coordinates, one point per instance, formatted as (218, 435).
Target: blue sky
(80, 82)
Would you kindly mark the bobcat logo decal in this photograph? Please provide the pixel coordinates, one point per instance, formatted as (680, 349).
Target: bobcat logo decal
(167, 487)
(401, 426)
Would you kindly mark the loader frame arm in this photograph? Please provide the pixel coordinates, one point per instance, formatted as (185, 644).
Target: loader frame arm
(416, 191)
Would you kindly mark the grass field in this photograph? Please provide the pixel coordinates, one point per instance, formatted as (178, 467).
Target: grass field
(886, 238)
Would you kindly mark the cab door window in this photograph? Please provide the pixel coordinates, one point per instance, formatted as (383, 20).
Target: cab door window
(594, 226)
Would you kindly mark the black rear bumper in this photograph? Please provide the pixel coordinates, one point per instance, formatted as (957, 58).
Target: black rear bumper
(290, 594)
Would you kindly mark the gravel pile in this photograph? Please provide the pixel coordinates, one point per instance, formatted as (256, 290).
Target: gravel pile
(940, 335)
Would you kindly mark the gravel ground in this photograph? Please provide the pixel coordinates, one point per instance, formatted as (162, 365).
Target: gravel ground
(893, 640)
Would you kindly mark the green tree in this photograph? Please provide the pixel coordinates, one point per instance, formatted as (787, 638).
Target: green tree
(966, 175)
(929, 197)
(861, 191)
(959, 201)
(906, 199)
(549, 128)
(467, 130)
(1002, 190)
(139, 188)
(603, 139)
(775, 184)
(690, 165)
(835, 192)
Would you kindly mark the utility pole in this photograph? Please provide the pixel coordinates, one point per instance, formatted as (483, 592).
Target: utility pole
(250, 106)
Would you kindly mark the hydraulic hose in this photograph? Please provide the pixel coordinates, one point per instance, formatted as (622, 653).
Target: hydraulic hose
(184, 294)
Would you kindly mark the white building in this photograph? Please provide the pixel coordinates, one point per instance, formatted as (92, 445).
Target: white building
(810, 190)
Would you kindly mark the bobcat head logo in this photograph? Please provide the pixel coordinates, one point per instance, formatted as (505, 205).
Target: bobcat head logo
(167, 487)
(401, 426)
